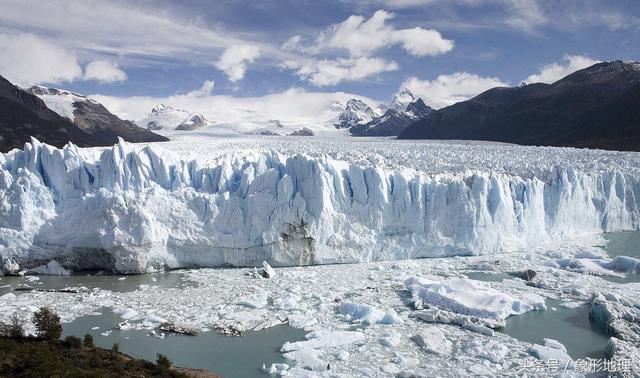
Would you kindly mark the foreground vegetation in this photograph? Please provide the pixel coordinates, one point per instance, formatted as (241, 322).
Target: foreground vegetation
(45, 355)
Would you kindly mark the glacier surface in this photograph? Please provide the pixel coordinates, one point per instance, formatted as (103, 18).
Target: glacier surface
(137, 208)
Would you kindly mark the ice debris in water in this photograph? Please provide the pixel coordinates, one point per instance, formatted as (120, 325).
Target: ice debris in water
(366, 314)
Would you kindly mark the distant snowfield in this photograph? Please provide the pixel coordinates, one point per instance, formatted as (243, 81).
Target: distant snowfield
(200, 201)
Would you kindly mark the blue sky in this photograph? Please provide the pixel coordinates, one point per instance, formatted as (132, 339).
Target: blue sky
(446, 50)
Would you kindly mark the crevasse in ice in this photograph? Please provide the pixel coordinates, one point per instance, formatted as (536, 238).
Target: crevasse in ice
(133, 209)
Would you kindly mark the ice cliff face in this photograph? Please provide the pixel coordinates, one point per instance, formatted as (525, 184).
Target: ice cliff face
(133, 209)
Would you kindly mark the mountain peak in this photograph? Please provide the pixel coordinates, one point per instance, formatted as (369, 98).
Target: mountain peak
(401, 100)
(616, 72)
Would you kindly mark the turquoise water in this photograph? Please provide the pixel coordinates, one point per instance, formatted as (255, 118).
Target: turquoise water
(570, 326)
(224, 355)
(625, 243)
(488, 276)
(227, 356)
(175, 279)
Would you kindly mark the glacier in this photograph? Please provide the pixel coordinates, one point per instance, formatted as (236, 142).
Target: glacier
(139, 208)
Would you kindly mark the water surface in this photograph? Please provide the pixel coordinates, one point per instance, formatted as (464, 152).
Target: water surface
(229, 356)
(570, 326)
(117, 283)
(626, 243)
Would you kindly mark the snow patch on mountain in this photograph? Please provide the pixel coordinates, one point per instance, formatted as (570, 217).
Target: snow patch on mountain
(59, 100)
(164, 117)
(355, 112)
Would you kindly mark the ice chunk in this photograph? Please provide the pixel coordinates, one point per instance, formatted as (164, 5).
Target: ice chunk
(10, 267)
(432, 340)
(52, 268)
(325, 339)
(463, 296)
(258, 299)
(267, 270)
(552, 350)
(366, 314)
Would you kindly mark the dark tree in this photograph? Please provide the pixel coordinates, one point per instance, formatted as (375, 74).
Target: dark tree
(47, 324)
(73, 342)
(13, 329)
(164, 363)
(87, 341)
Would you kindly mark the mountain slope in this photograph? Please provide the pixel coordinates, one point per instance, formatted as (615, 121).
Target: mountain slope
(355, 112)
(23, 115)
(92, 117)
(398, 116)
(596, 107)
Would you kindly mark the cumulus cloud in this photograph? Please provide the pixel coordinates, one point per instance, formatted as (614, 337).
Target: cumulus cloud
(328, 72)
(234, 60)
(446, 90)
(205, 89)
(27, 58)
(104, 71)
(555, 71)
(362, 37)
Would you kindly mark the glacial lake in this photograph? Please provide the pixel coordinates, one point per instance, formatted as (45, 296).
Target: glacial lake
(570, 326)
(228, 356)
(626, 243)
(116, 283)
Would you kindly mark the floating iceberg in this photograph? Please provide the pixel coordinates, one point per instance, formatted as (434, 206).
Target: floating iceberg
(134, 208)
(462, 296)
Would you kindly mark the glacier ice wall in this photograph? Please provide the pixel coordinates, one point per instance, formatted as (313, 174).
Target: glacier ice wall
(134, 209)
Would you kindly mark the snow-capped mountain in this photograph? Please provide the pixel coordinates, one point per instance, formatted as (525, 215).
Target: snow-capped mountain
(193, 122)
(59, 100)
(91, 116)
(403, 110)
(355, 112)
(164, 117)
(383, 120)
(401, 100)
(57, 117)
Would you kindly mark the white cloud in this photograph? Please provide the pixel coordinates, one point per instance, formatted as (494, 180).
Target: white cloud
(292, 43)
(205, 89)
(362, 37)
(293, 105)
(555, 71)
(104, 71)
(446, 90)
(331, 72)
(139, 33)
(525, 15)
(27, 58)
(234, 60)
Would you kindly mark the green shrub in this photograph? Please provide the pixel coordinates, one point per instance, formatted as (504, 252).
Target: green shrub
(73, 342)
(115, 348)
(87, 341)
(47, 324)
(164, 363)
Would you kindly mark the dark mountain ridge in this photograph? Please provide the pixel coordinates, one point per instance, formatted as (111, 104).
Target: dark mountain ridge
(596, 107)
(24, 115)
